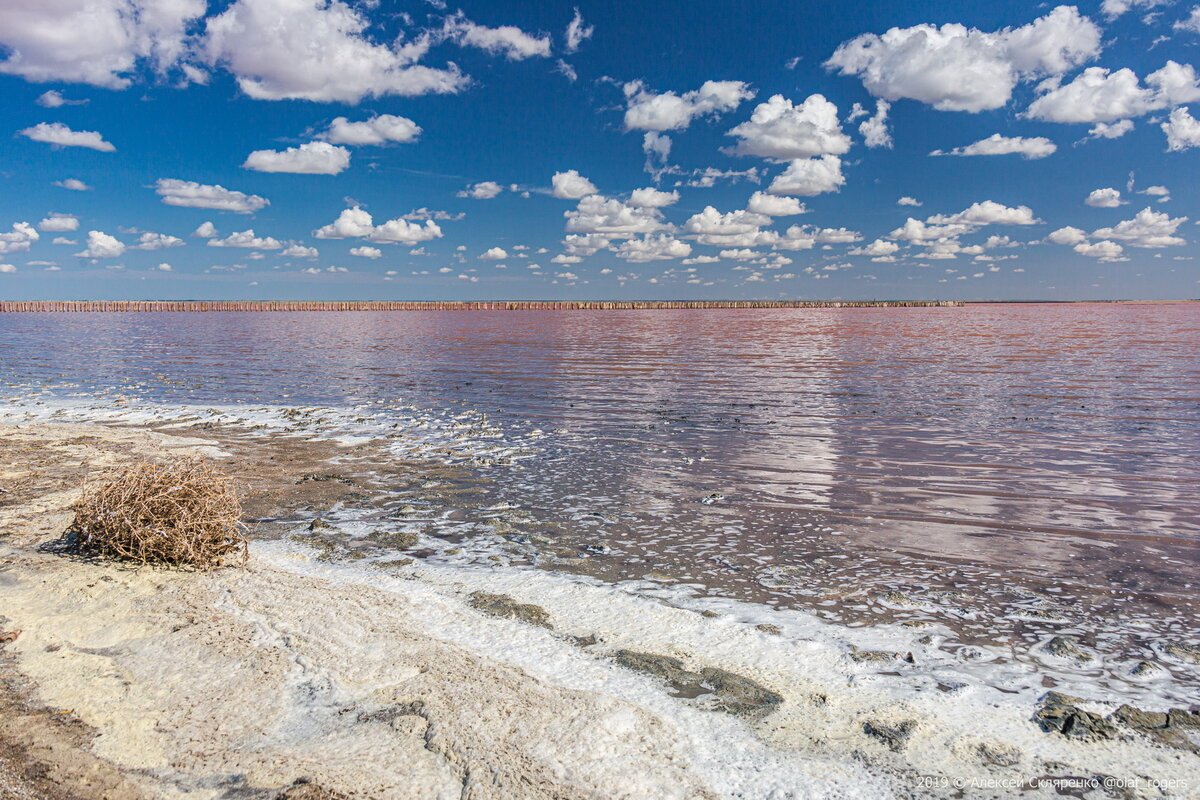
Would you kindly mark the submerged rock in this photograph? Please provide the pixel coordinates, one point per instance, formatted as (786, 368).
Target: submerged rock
(998, 755)
(767, 627)
(733, 693)
(502, 605)
(1145, 669)
(894, 734)
(1184, 652)
(1066, 647)
(395, 540)
(879, 656)
(1178, 727)
(1059, 714)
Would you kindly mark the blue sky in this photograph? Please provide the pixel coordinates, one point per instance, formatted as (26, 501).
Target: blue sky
(305, 149)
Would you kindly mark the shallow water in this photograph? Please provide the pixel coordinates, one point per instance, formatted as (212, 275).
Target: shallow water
(1012, 472)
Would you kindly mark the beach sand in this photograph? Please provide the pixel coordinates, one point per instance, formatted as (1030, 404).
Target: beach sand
(303, 678)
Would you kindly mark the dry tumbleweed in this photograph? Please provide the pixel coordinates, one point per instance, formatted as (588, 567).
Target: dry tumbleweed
(184, 513)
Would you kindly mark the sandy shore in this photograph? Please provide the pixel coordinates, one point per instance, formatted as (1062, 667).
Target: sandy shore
(300, 677)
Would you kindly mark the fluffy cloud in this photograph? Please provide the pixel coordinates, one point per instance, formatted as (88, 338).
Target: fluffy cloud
(7, 269)
(190, 194)
(494, 254)
(366, 252)
(908, 201)
(157, 241)
(59, 135)
(808, 177)
(247, 239)
(58, 223)
(507, 40)
(98, 42)
(1115, 8)
(955, 68)
(101, 245)
(570, 185)
(1111, 130)
(988, 212)
(780, 131)
(713, 223)
(318, 50)
(73, 184)
(652, 198)
(484, 190)
(300, 251)
(355, 223)
(1148, 228)
(1191, 23)
(19, 239)
(577, 32)
(609, 217)
(381, 129)
(1182, 130)
(1107, 197)
(1067, 235)
(1105, 250)
(314, 158)
(647, 111)
(1101, 95)
(164, 267)
(774, 206)
(997, 145)
(658, 247)
(874, 130)
(879, 248)
(205, 230)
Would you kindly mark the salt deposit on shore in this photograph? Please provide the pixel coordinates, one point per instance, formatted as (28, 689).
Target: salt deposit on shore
(408, 678)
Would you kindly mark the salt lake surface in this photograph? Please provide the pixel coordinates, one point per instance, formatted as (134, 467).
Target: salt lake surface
(1011, 473)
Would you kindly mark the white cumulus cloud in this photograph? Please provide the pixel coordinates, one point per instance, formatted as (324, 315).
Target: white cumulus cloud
(59, 135)
(781, 131)
(380, 129)
(189, 194)
(1101, 95)
(956, 68)
(997, 145)
(318, 50)
(101, 245)
(808, 177)
(1182, 130)
(647, 111)
(1107, 197)
(570, 185)
(314, 158)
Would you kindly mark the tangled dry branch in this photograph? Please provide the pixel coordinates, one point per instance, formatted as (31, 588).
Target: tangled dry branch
(184, 513)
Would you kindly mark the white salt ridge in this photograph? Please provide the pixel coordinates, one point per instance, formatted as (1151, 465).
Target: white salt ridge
(811, 745)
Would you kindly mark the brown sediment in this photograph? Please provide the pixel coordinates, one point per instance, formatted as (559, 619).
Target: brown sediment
(44, 306)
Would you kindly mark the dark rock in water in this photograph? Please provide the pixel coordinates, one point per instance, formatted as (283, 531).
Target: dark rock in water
(1183, 652)
(998, 755)
(738, 695)
(893, 734)
(734, 694)
(1066, 647)
(1145, 669)
(1171, 728)
(318, 524)
(767, 627)
(395, 540)
(501, 605)
(709, 614)
(1137, 718)
(879, 656)
(1065, 718)
(683, 681)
